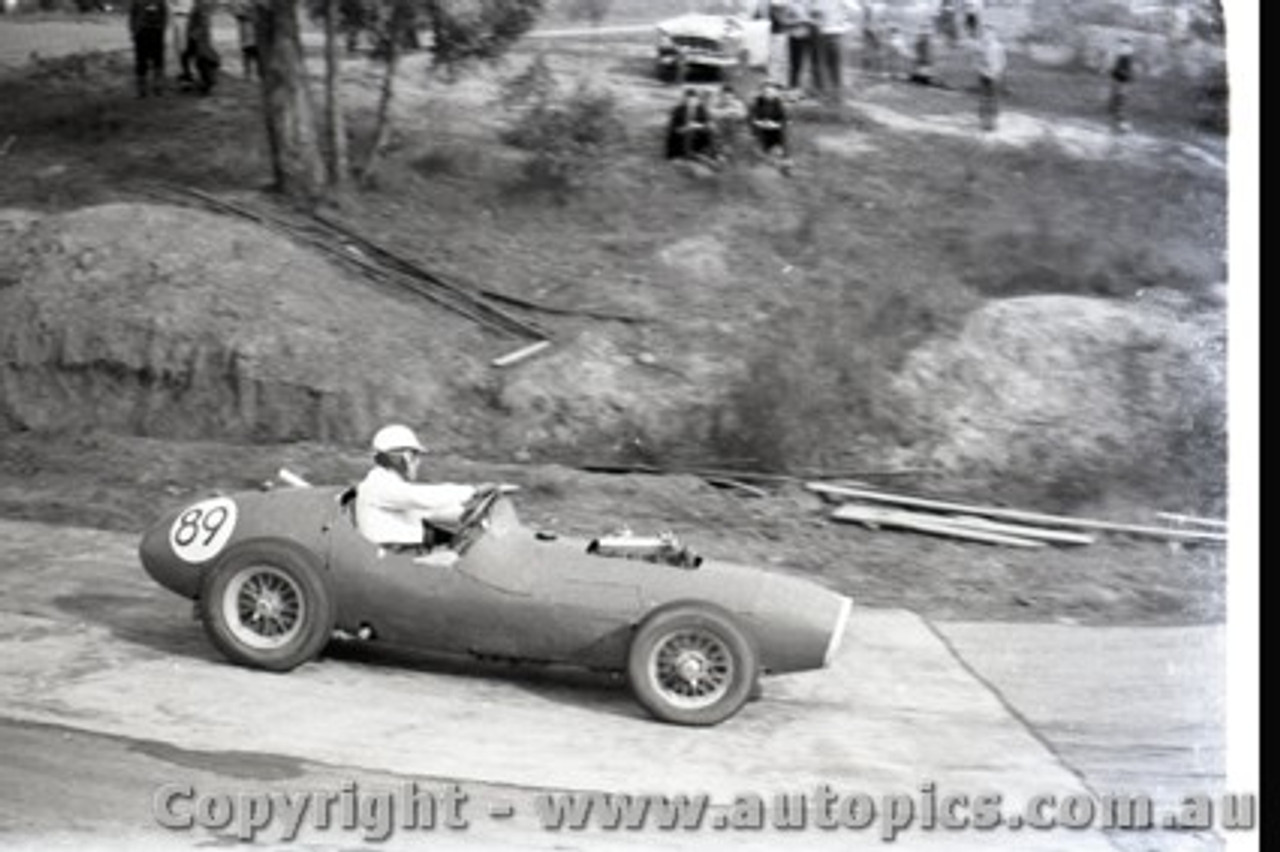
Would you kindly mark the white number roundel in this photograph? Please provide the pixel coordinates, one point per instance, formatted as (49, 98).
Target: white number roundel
(201, 531)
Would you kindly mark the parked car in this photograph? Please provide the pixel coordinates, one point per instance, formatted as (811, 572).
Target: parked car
(722, 36)
(276, 573)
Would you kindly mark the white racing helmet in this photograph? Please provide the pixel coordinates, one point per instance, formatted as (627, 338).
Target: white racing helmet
(395, 437)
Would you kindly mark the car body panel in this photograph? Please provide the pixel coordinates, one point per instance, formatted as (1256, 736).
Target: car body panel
(510, 592)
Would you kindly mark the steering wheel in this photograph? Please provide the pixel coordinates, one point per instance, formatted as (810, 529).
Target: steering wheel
(478, 507)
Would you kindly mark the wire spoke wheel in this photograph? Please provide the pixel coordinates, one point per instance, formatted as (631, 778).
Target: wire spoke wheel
(693, 668)
(263, 607)
(268, 604)
(691, 664)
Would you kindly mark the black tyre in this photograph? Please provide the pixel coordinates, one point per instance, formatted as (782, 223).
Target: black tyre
(267, 605)
(692, 665)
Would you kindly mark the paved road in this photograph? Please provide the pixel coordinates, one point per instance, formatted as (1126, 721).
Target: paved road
(108, 690)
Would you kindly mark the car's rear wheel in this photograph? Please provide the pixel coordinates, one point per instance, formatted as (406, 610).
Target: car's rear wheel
(692, 665)
(267, 605)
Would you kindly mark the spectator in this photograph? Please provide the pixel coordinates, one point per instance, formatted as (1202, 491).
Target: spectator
(729, 115)
(972, 17)
(991, 67)
(922, 67)
(947, 26)
(800, 41)
(200, 49)
(872, 49)
(769, 122)
(900, 56)
(707, 108)
(689, 129)
(831, 22)
(179, 19)
(148, 24)
(1181, 17)
(1122, 71)
(246, 27)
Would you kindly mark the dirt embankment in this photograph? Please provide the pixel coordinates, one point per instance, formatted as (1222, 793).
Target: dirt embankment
(160, 321)
(166, 322)
(1077, 397)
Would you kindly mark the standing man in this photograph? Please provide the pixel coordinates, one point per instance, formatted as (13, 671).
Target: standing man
(947, 13)
(831, 21)
(972, 17)
(246, 28)
(200, 49)
(872, 48)
(922, 58)
(180, 15)
(148, 22)
(799, 29)
(1122, 62)
(991, 67)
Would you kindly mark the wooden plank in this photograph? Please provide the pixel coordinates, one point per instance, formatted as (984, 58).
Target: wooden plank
(1038, 533)
(1192, 520)
(1012, 514)
(520, 354)
(916, 522)
(735, 485)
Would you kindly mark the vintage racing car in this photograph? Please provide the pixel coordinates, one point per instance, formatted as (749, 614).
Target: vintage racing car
(722, 36)
(275, 573)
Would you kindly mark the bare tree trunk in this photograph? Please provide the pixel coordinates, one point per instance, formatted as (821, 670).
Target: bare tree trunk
(336, 147)
(382, 125)
(290, 117)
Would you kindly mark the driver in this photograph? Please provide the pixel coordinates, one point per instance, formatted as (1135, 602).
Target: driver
(390, 507)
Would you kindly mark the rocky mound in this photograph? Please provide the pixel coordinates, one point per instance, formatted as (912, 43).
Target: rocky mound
(163, 321)
(1076, 397)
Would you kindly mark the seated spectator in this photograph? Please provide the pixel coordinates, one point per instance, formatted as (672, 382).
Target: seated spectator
(689, 130)
(769, 122)
(729, 116)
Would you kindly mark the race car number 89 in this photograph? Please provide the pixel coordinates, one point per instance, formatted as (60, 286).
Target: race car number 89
(200, 532)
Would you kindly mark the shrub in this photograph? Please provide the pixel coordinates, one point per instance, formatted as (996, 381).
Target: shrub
(567, 136)
(816, 387)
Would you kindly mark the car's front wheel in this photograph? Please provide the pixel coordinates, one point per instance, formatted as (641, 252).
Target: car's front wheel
(692, 665)
(267, 605)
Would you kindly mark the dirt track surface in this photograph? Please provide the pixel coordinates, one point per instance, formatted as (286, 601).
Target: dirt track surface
(90, 643)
